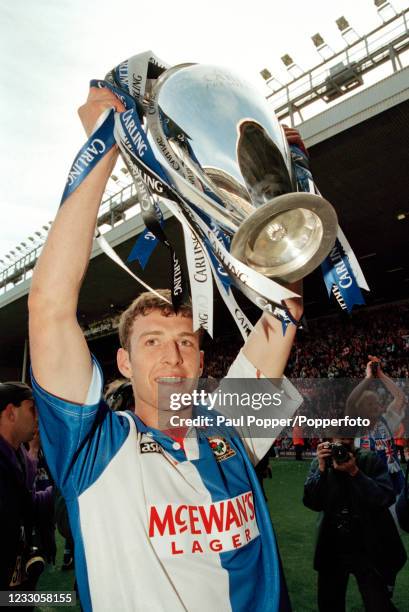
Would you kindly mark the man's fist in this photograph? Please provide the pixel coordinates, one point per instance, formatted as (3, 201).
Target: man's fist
(99, 100)
(293, 137)
(323, 453)
(371, 370)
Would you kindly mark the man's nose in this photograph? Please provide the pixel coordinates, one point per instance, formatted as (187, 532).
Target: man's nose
(171, 353)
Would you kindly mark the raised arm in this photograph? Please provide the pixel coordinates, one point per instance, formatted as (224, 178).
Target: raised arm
(266, 347)
(359, 389)
(399, 400)
(59, 354)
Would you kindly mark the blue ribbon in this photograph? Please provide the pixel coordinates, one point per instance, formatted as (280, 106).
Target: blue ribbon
(146, 243)
(287, 319)
(132, 126)
(139, 143)
(96, 147)
(143, 248)
(339, 278)
(139, 147)
(336, 268)
(301, 167)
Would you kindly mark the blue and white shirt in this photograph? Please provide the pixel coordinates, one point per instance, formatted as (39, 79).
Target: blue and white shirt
(158, 527)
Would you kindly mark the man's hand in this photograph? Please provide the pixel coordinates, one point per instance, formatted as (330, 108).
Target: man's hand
(294, 137)
(34, 444)
(266, 347)
(399, 401)
(369, 371)
(323, 452)
(350, 467)
(295, 305)
(98, 101)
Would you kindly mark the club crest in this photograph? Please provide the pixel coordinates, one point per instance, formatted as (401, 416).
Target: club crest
(221, 448)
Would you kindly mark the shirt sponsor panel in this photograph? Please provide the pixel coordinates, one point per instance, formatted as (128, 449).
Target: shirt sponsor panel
(180, 529)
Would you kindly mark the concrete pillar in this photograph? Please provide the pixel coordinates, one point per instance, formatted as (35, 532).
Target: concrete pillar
(25, 357)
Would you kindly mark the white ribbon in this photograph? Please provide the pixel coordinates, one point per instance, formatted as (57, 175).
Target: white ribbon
(200, 277)
(239, 317)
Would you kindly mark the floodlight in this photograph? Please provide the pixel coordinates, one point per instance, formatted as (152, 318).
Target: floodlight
(323, 49)
(347, 31)
(266, 74)
(293, 68)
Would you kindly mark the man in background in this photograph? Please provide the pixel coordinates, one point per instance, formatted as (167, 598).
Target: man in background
(21, 507)
(357, 535)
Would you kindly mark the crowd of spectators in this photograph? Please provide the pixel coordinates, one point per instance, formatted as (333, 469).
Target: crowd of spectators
(336, 346)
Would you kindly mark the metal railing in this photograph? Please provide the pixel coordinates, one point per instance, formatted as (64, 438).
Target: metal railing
(343, 72)
(111, 212)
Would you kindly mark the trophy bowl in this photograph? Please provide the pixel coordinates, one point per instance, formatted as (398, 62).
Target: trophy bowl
(225, 152)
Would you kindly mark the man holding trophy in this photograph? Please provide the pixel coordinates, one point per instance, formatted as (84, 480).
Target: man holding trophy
(165, 522)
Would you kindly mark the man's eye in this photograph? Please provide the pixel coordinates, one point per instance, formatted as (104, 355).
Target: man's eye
(186, 343)
(151, 342)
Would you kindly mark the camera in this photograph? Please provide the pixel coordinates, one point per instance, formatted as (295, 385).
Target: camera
(35, 562)
(122, 398)
(339, 452)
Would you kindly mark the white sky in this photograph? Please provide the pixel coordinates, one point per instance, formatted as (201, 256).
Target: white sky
(50, 49)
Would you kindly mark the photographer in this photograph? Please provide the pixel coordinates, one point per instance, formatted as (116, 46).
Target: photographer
(356, 533)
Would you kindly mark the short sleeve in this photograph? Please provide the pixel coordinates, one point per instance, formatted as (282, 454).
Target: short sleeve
(78, 440)
(393, 419)
(246, 376)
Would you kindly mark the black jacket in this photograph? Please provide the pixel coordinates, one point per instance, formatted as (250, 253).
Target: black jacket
(370, 493)
(20, 506)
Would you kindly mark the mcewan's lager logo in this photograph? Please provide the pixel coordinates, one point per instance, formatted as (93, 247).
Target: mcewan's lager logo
(177, 529)
(221, 448)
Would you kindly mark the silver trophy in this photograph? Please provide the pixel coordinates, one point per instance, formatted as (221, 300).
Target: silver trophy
(225, 152)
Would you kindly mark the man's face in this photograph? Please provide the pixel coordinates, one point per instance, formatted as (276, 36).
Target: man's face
(370, 407)
(25, 421)
(164, 350)
(348, 441)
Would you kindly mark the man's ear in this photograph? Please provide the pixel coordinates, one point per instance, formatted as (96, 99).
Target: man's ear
(201, 362)
(123, 362)
(9, 413)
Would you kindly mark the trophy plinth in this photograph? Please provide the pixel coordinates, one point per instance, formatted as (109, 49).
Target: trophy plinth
(287, 237)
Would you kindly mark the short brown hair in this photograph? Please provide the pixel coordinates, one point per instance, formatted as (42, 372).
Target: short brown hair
(142, 306)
